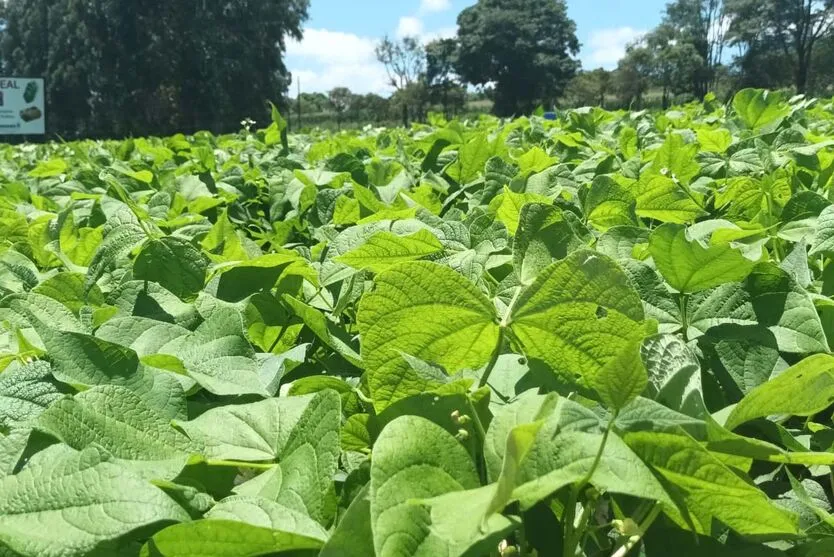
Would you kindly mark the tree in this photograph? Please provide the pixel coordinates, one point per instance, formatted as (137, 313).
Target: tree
(404, 60)
(341, 100)
(48, 38)
(370, 108)
(589, 88)
(634, 72)
(793, 27)
(676, 65)
(525, 47)
(444, 84)
(138, 67)
(314, 102)
(703, 25)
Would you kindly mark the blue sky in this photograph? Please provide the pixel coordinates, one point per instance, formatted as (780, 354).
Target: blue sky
(340, 35)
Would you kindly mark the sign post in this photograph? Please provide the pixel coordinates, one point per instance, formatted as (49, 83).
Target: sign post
(22, 107)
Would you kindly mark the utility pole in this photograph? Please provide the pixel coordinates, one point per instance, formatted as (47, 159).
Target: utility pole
(298, 100)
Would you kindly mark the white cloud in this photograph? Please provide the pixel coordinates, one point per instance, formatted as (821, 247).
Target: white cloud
(410, 26)
(332, 47)
(325, 59)
(427, 6)
(607, 46)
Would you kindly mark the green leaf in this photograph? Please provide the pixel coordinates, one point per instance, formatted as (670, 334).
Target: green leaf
(77, 500)
(676, 159)
(472, 157)
(414, 459)
(384, 249)
(529, 407)
(174, 263)
(218, 356)
(802, 390)
(543, 236)
(353, 536)
(621, 379)
(258, 511)
(558, 450)
(759, 109)
(25, 392)
(535, 160)
(427, 311)
(823, 241)
(119, 421)
(35, 309)
(223, 538)
(325, 329)
(48, 169)
(674, 373)
(508, 206)
(748, 354)
(661, 198)
(690, 265)
(608, 204)
(85, 361)
(302, 432)
(579, 316)
(715, 141)
(244, 278)
(122, 233)
(705, 489)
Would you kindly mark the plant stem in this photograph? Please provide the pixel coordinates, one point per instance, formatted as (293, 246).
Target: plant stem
(279, 337)
(499, 345)
(643, 528)
(574, 537)
(684, 302)
(568, 545)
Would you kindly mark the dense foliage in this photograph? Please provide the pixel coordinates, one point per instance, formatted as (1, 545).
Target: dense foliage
(526, 48)
(116, 68)
(598, 335)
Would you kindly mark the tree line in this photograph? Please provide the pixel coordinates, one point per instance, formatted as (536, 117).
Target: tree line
(151, 67)
(523, 54)
(721, 46)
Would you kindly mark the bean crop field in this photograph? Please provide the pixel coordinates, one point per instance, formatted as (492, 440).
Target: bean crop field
(602, 335)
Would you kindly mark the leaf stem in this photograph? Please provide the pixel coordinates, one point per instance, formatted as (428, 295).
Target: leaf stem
(239, 464)
(684, 307)
(573, 537)
(499, 346)
(568, 545)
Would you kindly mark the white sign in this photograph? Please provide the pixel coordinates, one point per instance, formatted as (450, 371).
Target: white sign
(22, 106)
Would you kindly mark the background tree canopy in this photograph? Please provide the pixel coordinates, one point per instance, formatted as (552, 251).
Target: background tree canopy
(525, 47)
(117, 68)
(139, 67)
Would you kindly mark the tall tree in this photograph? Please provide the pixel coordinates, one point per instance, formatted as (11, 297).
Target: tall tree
(404, 60)
(341, 100)
(48, 38)
(131, 67)
(589, 88)
(794, 27)
(702, 24)
(634, 74)
(676, 65)
(525, 47)
(444, 84)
